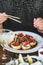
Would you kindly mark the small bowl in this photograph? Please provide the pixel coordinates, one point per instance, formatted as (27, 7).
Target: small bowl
(40, 53)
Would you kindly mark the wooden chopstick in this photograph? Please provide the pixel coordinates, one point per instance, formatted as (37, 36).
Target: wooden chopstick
(14, 19)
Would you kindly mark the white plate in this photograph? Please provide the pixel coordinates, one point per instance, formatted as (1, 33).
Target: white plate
(37, 37)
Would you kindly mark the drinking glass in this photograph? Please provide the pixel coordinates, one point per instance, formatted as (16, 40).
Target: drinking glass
(4, 34)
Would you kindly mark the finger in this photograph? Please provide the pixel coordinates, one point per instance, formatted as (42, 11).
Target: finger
(38, 19)
(3, 19)
(5, 15)
(35, 26)
(38, 22)
(34, 19)
(41, 28)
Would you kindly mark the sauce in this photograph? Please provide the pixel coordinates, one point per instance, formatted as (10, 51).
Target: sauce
(41, 52)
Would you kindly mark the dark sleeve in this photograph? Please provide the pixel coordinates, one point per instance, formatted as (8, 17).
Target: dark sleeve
(41, 9)
(1, 6)
(8, 24)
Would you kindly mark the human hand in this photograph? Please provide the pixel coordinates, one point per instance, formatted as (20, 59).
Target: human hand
(3, 17)
(38, 23)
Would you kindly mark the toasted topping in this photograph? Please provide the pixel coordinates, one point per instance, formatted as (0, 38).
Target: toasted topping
(20, 34)
(22, 39)
(26, 43)
(16, 44)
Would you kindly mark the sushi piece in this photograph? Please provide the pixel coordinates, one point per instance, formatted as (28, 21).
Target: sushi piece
(29, 59)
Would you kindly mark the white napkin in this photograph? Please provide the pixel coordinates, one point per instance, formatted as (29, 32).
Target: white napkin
(6, 37)
(24, 63)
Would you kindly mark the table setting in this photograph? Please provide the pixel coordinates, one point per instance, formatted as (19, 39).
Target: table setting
(26, 39)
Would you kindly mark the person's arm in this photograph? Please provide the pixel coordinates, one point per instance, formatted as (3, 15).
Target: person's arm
(3, 18)
(1, 26)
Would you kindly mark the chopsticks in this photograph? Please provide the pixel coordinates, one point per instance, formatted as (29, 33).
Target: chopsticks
(17, 19)
(13, 17)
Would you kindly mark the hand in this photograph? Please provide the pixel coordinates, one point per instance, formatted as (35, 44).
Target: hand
(3, 17)
(38, 23)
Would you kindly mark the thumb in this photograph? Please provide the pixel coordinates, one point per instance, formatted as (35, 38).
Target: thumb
(34, 19)
(34, 22)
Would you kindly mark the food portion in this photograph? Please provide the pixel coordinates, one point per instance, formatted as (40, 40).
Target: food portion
(27, 60)
(23, 42)
(20, 59)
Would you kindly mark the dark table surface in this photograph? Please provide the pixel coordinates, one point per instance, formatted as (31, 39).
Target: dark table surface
(15, 54)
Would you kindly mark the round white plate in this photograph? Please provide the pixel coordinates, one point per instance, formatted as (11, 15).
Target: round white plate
(37, 37)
